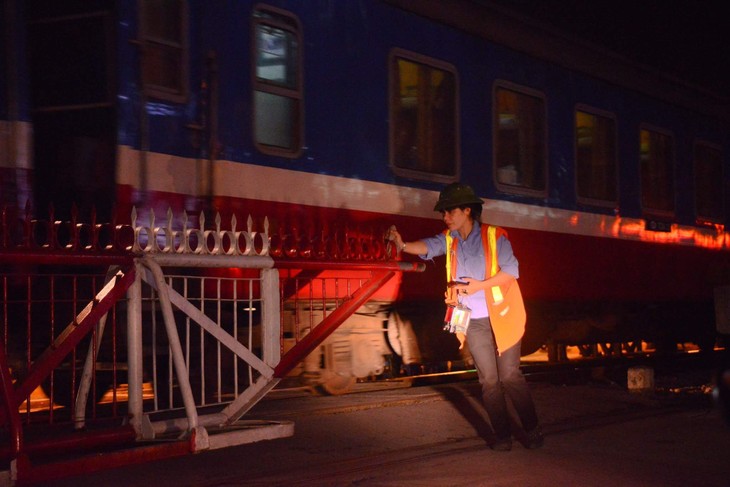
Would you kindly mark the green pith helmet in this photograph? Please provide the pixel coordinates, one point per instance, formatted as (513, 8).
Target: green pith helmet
(455, 195)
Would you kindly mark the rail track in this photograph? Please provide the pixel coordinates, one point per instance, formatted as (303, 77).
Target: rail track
(610, 369)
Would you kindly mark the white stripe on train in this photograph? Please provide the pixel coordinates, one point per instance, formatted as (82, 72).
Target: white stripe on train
(180, 175)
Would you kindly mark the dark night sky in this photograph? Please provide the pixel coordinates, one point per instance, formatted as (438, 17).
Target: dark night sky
(687, 38)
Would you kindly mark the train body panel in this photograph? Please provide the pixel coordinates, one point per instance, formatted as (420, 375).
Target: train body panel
(179, 124)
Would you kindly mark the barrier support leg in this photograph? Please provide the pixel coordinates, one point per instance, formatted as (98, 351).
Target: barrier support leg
(134, 351)
(178, 358)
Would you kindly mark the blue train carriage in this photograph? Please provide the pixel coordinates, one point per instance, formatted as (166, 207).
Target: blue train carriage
(15, 126)
(609, 177)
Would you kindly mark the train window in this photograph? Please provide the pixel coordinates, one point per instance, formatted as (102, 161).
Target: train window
(163, 37)
(709, 197)
(657, 172)
(423, 128)
(277, 86)
(520, 152)
(595, 157)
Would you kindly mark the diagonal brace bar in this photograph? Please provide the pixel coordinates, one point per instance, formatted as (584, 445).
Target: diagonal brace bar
(216, 331)
(325, 328)
(112, 292)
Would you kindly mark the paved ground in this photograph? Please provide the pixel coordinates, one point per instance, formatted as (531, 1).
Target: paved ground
(596, 434)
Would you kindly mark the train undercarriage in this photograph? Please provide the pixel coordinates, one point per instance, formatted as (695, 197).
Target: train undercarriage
(384, 340)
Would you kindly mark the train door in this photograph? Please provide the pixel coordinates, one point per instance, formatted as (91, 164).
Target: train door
(71, 69)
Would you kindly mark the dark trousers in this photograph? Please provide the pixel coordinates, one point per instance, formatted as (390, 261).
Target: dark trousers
(500, 377)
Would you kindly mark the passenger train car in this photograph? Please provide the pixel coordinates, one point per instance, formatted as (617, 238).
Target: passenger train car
(609, 177)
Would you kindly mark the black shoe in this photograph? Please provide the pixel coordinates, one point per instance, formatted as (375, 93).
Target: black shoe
(505, 444)
(535, 439)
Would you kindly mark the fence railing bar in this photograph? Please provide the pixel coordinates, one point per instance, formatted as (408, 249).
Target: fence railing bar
(213, 261)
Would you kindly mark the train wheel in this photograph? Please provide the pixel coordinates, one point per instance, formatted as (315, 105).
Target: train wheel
(537, 334)
(588, 350)
(632, 347)
(336, 384)
(557, 352)
(611, 349)
(334, 375)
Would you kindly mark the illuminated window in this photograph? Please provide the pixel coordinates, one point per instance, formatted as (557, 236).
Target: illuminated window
(520, 154)
(423, 119)
(657, 172)
(595, 158)
(709, 198)
(277, 90)
(163, 38)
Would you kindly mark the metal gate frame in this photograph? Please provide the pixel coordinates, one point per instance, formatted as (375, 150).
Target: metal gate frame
(140, 260)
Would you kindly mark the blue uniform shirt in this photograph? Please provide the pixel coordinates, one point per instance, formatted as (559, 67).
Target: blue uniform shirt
(470, 262)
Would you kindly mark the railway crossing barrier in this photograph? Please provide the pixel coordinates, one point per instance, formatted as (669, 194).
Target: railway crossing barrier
(155, 338)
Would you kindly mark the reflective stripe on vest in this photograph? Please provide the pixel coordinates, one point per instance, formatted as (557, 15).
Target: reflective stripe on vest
(450, 265)
(489, 241)
(492, 239)
(493, 265)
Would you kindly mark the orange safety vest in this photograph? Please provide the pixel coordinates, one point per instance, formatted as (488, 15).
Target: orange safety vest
(506, 307)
